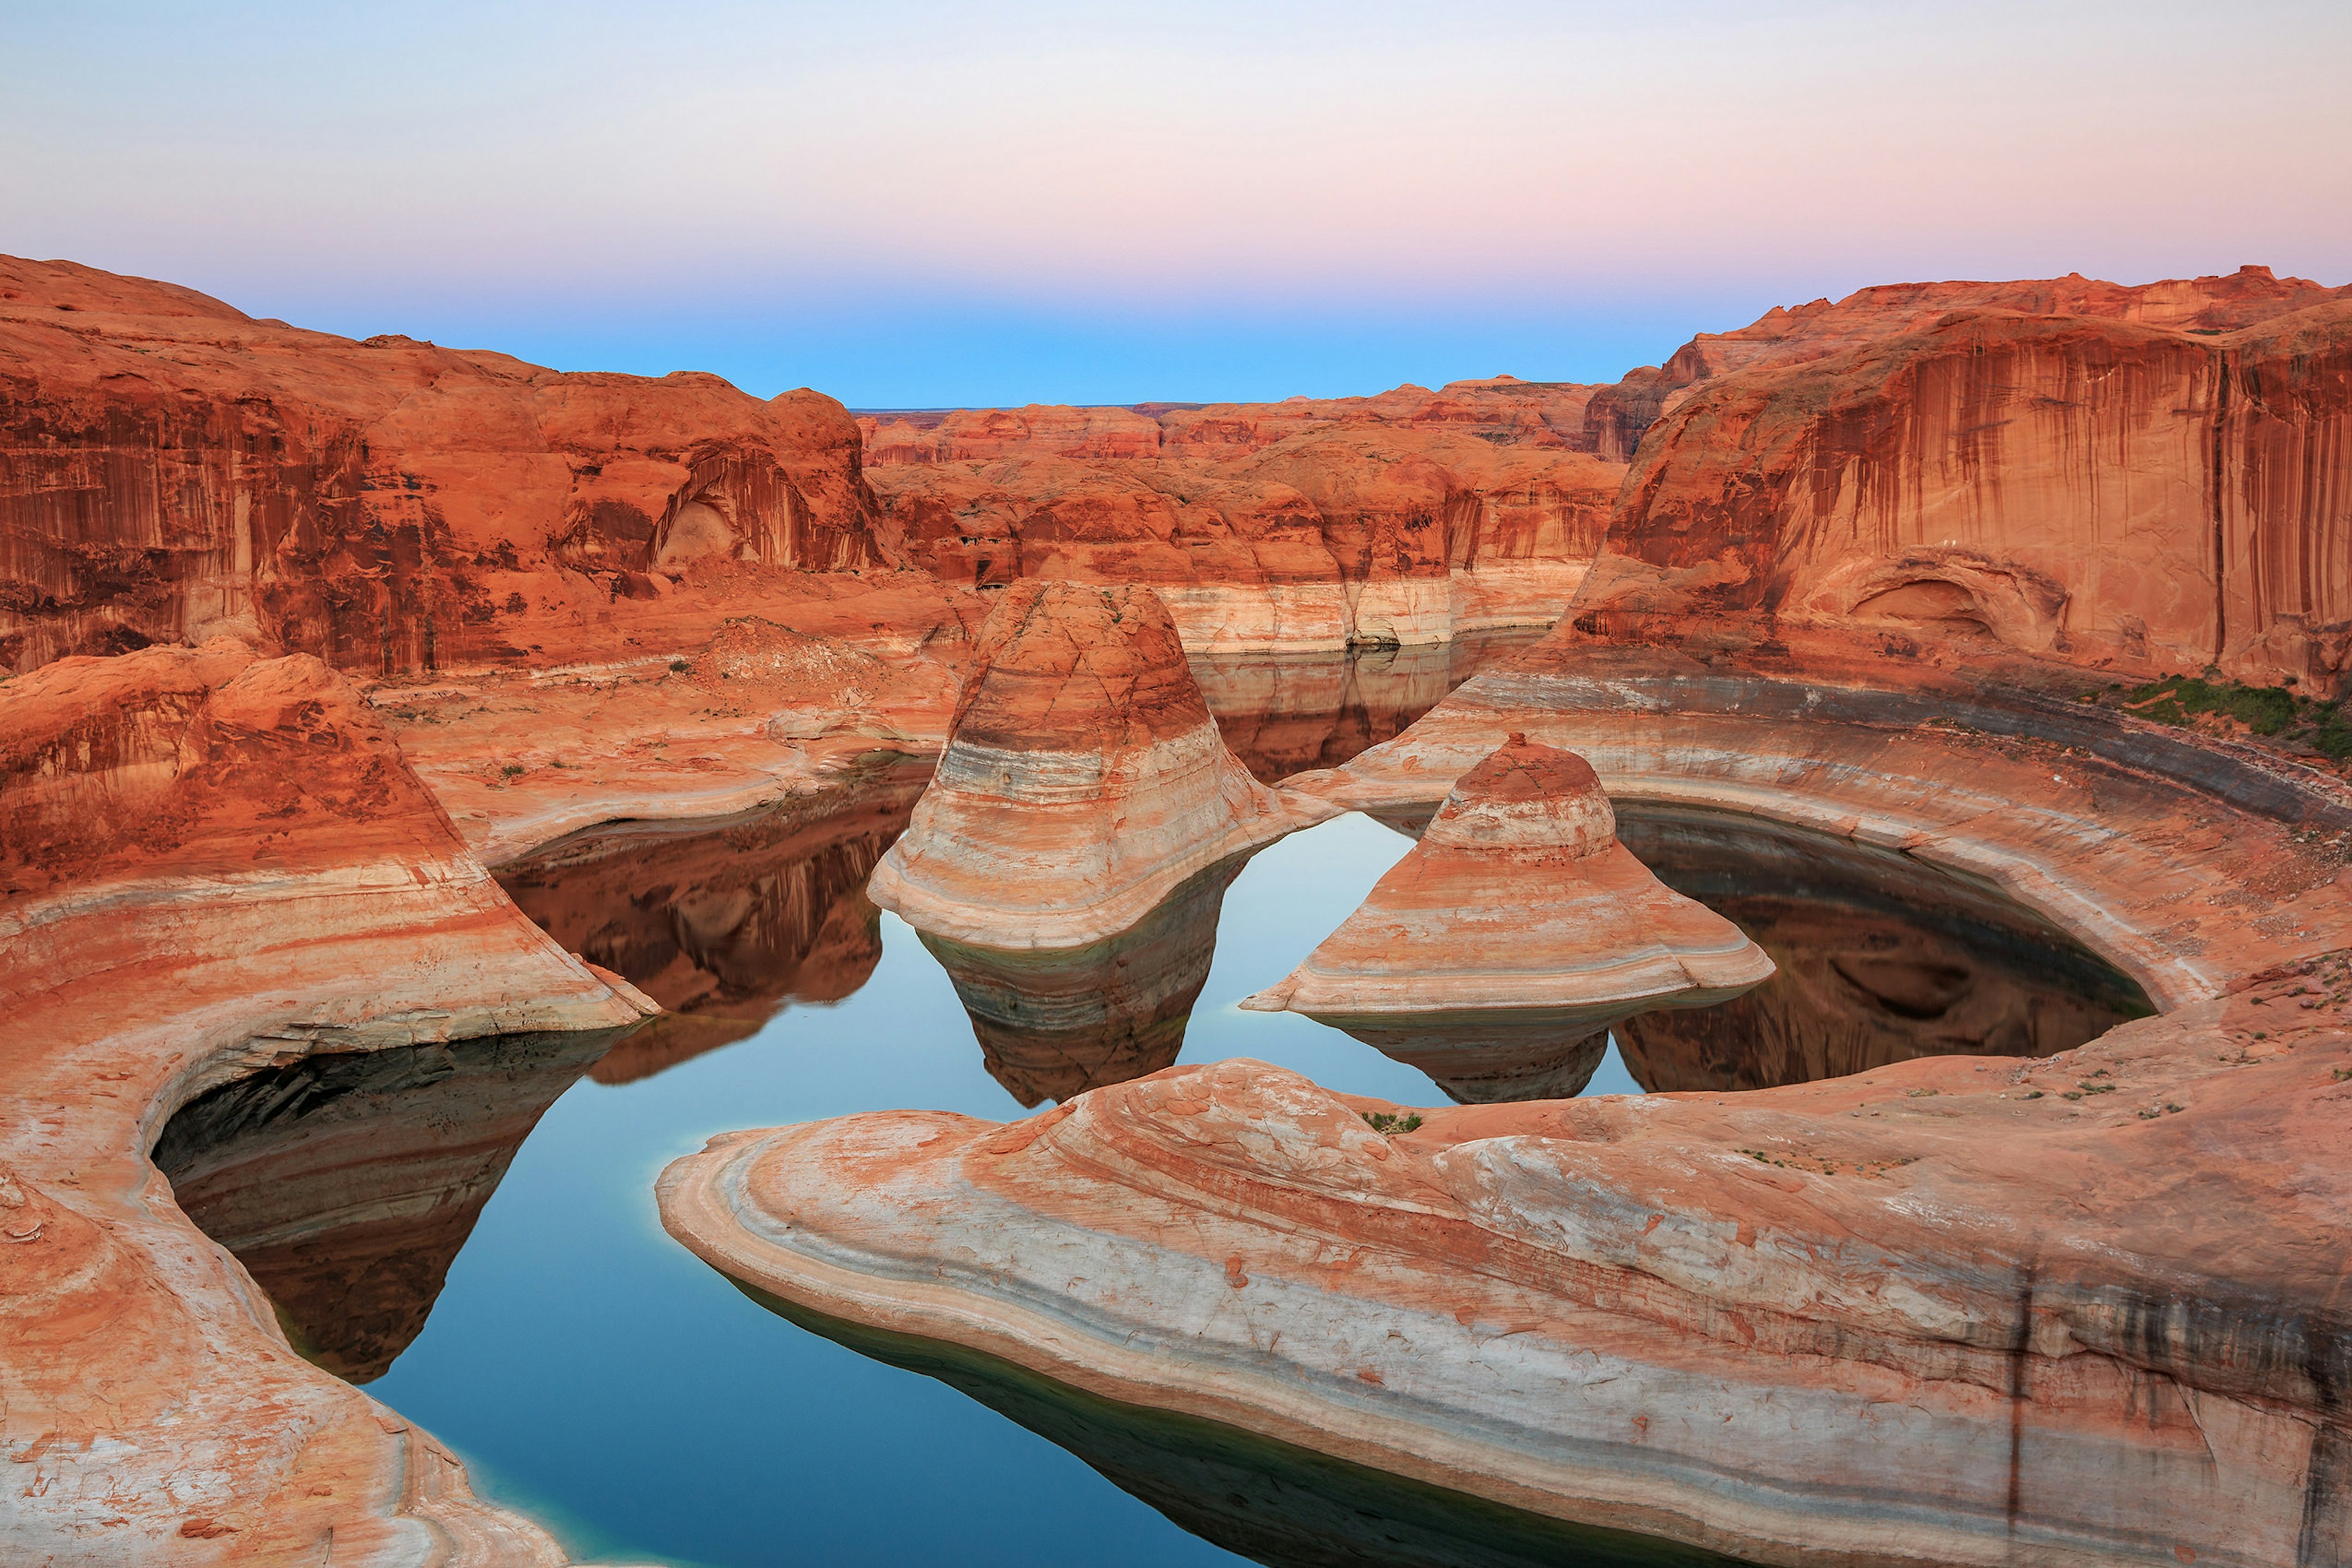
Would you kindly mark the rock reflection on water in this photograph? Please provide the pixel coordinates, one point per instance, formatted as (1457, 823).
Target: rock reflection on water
(1268, 1501)
(1055, 1022)
(1882, 959)
(346, 1183)
(724, 926)
(1285, 713)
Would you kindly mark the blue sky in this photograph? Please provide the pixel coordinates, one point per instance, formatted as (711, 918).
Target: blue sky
(909, 205)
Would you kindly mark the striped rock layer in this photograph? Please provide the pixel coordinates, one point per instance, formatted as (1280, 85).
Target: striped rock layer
(1497, 952)
(1084, 779)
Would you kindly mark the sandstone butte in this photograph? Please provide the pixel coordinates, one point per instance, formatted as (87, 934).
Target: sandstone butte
(1953, 1311)
(1864, 561)
(1497, 952)
(214, 866)
(1083, 780)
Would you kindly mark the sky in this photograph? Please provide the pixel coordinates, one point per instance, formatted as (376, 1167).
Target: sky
(914, 205)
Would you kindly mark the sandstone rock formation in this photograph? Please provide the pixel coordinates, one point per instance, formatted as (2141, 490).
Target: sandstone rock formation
(1053, 1023)
(1879, 959)
(172, 468)
(211, 865)
(1497, 954)
(1407, 518)
(1957, 1310)
(1940, 1312)
(2090, 491)
(345, 1183)
(724, 921)
(1083, 780)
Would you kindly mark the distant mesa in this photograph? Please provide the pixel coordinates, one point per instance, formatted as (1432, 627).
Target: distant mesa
(1497, 952)
(1084, 781)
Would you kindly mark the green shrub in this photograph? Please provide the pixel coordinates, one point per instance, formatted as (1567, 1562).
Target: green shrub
(1387, 1123)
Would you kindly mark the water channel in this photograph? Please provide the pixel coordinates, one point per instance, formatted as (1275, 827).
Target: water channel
(471, 1230)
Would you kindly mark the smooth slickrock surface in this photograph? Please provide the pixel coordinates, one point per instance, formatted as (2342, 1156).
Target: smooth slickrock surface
(1053, 1023)
(1084, 779)
(1957, 1310)
(1939, 1313)
(171, 468)
(1497, 954)
(211, 865)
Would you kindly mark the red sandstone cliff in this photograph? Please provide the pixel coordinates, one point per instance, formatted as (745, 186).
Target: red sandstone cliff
(1407, 518)
(171, 468)
(2095, 491)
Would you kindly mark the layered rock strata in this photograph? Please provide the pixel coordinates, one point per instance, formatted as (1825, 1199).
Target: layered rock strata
(1083, 780)
(1957, 1310)
(1409, 517)
(211, 866)
(1497, 954)
(172, 468)
(1940, 1312)
(2094, 493)
(1053, 1023)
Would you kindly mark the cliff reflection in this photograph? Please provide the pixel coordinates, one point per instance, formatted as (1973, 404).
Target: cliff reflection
(724, 926)
(1882, 959)
(346, 1184)
(1053, 1024)
(1285, 713)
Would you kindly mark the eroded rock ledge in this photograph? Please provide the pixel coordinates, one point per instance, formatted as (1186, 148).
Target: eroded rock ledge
(214, 864)
(1497, 954)
(1953, 1311)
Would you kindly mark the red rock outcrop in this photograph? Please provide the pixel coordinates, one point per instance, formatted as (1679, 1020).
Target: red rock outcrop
(1616, 416)
(1948, 1310)
(1495, 955)
(1407, 518)
(1083, 780)
(172, 468)
(2099, 492)
(211, 865)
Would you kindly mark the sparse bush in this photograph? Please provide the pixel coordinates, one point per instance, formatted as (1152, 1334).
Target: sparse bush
(1389, 1123)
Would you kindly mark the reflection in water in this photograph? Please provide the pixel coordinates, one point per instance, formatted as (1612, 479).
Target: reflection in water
(1882, 958)
(1276, 1504)
(724, 926)
(1529, 1053)
(1054, 1023)
(1285, 713)
(345, 1183)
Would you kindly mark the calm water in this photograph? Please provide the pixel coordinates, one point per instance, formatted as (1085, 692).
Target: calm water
(515, 1281)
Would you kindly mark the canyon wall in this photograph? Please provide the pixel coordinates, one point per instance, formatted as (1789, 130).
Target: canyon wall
(1406, 518)
(2100, 491)
(171, 469)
